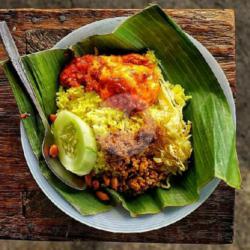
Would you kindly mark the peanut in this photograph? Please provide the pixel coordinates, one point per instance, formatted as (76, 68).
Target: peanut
(102, 196)
(52, 117)
(106, 180)
(88, 180)
(24, 115)
(114, 183)
(95, 184)
(53, 151)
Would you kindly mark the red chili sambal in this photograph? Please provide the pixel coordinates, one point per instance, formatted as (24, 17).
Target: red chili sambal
(133, 78)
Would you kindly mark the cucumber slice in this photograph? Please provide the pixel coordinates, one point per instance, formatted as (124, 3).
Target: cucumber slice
(76, 143)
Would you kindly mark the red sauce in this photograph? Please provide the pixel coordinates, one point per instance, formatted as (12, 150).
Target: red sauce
(128, 82)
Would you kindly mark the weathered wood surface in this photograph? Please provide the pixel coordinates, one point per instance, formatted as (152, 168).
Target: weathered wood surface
(25, 213)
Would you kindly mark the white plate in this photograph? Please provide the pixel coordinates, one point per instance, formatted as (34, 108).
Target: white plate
(118, 220)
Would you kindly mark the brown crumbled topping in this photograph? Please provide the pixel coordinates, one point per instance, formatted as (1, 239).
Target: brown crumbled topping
(132, 176)
(132, 169)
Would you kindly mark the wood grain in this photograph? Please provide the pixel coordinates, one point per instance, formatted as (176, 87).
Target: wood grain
(25, 212)
(211, 223)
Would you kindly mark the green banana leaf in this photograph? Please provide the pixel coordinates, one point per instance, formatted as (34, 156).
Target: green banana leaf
(84, 201)
(213, 130)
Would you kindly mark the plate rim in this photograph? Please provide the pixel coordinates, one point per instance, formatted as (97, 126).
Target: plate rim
(46, 187)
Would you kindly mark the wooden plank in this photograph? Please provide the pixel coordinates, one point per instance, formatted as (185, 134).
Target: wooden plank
(211, 223)
(11, 204)
(25, 212)
(37, 205)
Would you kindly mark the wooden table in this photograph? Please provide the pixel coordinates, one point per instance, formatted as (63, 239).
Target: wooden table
(25, 212)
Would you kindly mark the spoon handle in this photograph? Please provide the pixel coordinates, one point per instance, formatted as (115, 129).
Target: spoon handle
(15, 58)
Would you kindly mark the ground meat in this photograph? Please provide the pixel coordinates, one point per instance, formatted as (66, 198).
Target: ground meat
(132, 169)
(131, 176)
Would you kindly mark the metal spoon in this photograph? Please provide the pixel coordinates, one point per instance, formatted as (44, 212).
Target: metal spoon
(55, 166)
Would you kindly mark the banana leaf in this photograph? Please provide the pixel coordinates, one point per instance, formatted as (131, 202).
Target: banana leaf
(213, 130)
(85, 202)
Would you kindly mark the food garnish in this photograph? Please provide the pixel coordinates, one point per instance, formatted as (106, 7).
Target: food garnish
(53, 151)
(52, 118)
(24, 115)
(102, 196)
(76, 143)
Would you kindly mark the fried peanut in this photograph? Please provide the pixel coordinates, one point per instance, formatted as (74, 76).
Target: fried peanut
(24, 115)
(52, 117)
(88, 180)
(106, 180)
(102, 196)
(114, 183)
(95, 184)
(53, 151)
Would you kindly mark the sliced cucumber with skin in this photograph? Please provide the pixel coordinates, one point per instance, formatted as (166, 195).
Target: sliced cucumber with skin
(76, 143)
